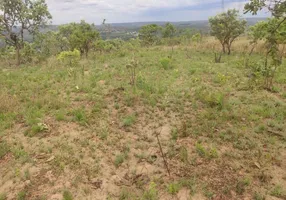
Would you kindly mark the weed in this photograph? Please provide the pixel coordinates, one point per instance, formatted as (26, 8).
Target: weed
(173, 188)
(22, 195)
(241, 186)
(258, 196)
(60, 115)
(119, 159)
(129, 120)
(190, 184)
(201, 150)
(4, 149)
(151, 193)
(166, 63)
(174, 134)
(184, 156)
(277, 191)
(67, 195)
(3, 196)
(80, 116)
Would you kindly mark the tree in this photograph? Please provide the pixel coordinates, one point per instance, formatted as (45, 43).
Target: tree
(18, 16)
(169, 31)
(81, 36)
(149, 34)
(275, 34)
(226, 27)
(257, 32)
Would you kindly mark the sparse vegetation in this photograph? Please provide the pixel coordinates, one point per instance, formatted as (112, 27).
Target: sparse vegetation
(150, 118)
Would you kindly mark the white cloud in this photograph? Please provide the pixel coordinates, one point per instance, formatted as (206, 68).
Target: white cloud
(94, 11)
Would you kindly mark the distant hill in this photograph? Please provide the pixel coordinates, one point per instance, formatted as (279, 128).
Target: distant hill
(130, 30)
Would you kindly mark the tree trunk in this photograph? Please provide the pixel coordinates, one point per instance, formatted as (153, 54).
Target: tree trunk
(228, 49)
(223, 48)
(18, 55)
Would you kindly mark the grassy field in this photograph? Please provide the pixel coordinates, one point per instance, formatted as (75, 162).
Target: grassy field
(87, 133)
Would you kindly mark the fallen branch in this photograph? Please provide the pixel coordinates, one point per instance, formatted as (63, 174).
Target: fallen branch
(164, 158)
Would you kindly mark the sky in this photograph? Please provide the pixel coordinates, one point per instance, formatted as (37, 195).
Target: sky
(120, 11)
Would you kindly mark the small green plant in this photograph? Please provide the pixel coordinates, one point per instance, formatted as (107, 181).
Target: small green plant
(129, 120)
(119, 159)
(258, 196)
(241, 185)
(174, 134)
(4, 149)
(184, 156)
(67, 195)
(201, 150)
(69, 58)
(22, 195)
(151, 193)
(3, 196)
(173, 188)
(166, 63)
(60, 115)
(80, 116)
(277, 191)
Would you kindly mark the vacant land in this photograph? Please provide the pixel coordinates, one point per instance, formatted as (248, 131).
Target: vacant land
(86, 133)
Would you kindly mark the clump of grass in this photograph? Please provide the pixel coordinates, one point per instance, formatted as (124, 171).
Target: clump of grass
(166, 63)
(67, 195)
(60, 115)
(174, 134)
(190, 184)
(241, 185)
(258, 196)
(126, 194)
(206, 153)
(129, 120)
(277, 191)
(120, 158)
(3, 196)
(80, 116)
(4, 149)
(151, 193)
(173, 188)
(22, 195)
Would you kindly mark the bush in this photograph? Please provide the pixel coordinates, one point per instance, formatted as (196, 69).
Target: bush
(69, 58)
(166, 63)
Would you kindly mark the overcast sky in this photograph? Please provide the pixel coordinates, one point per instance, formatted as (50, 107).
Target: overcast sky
(116, 11)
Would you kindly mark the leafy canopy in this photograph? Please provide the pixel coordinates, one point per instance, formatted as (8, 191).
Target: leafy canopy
(226, 27)
(80, 36)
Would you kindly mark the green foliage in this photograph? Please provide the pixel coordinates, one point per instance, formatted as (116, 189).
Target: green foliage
(197, 37)
(226, 27)
(173, 188)
(149, 34)
(4, 149)
(169, 31)
(69, 58)
(129, 120)
(151, 193)
(3, 196)
(80, 36)
(276, 7)
(119, 159)
(278, 191)
(166, 63)
(28, 15)
(22, 195)
(67, 195)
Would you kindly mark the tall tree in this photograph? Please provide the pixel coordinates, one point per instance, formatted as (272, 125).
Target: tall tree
(18, 16)
(226, 27)
(81, 36)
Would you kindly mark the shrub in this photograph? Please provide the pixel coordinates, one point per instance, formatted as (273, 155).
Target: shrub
(69, 58)
(166, 63)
